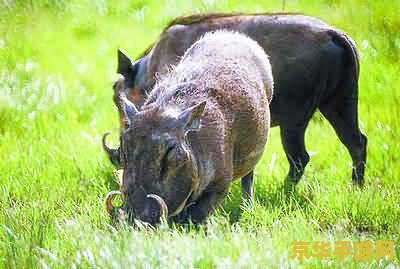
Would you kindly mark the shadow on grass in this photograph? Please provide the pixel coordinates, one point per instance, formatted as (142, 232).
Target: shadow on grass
(271, 198)
(283, 197)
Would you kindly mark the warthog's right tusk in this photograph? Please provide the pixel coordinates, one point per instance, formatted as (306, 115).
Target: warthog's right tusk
(109, 198)
(162, 204)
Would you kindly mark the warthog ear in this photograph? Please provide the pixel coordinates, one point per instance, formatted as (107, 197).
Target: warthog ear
(190, 118)
(125, 66)
(128, 108)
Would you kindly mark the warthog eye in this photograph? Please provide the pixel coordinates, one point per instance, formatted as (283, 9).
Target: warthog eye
(164, 161)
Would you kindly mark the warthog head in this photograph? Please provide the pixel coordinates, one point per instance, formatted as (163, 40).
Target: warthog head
(160, 170)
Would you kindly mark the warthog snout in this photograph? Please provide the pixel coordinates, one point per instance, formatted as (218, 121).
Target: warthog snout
(154, 210)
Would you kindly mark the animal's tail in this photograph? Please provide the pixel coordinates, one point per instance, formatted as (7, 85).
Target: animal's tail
(352, 72)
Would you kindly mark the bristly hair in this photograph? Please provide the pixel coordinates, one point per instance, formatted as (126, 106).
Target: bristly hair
(202, 17)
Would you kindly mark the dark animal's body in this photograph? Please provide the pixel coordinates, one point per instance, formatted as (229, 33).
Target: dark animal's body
(314, 65)
(231, 75)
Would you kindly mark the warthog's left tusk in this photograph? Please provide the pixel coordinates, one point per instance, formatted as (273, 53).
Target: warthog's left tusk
(109, 198)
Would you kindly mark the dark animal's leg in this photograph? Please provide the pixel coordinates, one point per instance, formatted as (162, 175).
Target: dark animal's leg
(293, 144)
(344, 118)
(247, 187)
(208, 202)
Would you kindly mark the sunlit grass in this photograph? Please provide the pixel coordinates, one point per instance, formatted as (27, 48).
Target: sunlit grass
(57, 65)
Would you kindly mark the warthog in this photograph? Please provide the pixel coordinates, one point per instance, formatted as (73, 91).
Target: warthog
(204, 124)
(314, 65)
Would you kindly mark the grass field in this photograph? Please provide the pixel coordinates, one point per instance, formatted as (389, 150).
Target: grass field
(57, 65)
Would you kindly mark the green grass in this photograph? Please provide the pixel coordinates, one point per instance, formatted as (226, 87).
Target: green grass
(57, 65)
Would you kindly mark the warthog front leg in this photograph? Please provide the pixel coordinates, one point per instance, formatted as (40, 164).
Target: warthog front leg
(208, 202)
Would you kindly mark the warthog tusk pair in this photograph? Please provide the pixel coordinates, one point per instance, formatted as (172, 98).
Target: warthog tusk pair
(163, 206)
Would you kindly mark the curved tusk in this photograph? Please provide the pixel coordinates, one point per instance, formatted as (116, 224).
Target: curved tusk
(163, 205)
(113, 154)
(109, 198)
(103, 140)
(106, 148)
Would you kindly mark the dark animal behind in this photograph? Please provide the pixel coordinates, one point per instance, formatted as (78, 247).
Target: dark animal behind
(315, 66)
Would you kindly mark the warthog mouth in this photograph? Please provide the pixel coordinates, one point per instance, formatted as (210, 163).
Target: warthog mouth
(122, 214)
(160, 201)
